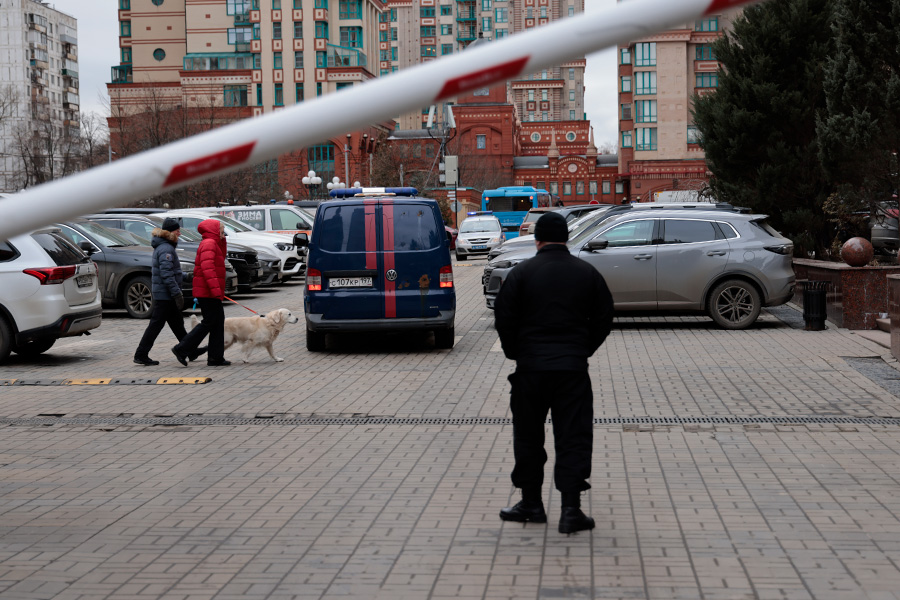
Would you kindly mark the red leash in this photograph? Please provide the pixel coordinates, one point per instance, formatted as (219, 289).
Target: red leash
(239, 304)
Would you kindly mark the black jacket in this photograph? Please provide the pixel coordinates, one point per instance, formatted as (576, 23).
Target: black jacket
(553, 312)
(166, 268)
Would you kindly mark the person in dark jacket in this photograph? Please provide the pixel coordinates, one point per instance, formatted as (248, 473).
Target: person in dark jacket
(209, 290)
(552, 314)
(166, 278)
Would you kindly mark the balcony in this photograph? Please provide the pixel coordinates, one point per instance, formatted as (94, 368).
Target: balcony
(68, 39)
(201, 61)
(242, 19)
(339, 56)
(122, 74)
(467, 35)
(70, 73)
(466, 15)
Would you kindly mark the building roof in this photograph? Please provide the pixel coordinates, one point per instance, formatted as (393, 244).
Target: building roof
(542, 162)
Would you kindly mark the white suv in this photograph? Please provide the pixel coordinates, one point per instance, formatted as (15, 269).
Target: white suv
(478, 234)
(48, 290)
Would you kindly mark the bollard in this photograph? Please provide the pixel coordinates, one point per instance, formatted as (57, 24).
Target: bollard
(814, 306)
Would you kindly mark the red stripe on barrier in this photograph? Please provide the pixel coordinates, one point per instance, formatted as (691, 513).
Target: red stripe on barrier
(720, 5)
(209, 164)
(371, 247)
(390, 287)
(484, 77)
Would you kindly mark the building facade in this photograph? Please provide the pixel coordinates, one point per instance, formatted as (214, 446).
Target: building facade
(39, 102)
(658, 79)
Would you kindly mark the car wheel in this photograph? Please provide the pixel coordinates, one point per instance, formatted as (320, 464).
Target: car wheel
(444, 338)
(6, 340)
(315, 341)
(137, 297)
(34, 347)
(734, 304)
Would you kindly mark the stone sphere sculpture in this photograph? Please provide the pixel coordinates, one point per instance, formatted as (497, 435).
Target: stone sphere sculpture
(857, 252)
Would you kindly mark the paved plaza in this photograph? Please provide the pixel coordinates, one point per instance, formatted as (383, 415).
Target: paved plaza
(727, 465)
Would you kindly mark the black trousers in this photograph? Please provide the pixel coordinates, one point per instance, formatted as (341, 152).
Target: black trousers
(162, 312)
(568, 397)
(213, 323)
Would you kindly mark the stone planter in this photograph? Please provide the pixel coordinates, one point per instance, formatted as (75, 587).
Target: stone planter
(856, 296)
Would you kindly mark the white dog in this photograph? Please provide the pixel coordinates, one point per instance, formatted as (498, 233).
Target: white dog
(255, 332)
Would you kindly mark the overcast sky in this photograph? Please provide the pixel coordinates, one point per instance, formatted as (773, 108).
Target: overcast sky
(98, 50)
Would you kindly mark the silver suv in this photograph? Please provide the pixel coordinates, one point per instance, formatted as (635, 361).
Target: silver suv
(478, 234)
(726, 264)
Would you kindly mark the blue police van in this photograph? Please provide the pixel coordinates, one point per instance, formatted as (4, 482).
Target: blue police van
(379, 260)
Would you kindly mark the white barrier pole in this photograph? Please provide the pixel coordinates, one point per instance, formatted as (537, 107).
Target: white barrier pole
(263, 138)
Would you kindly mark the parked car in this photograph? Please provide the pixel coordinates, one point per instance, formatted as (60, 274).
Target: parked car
(452, 234)
(885, 228)
(243, 259)
(124, 267)
(379, 263)
(478, 234)
(724, 263)
(49, 291)
(274, 218)
(531, 217)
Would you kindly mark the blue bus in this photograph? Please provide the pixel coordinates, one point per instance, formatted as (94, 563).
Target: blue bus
(511, 203)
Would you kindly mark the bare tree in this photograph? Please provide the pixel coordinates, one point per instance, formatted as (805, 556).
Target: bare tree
(94, 139)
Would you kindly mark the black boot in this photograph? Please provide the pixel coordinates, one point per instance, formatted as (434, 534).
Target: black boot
(529, 509)
(145, 360)
(572, 519)
(198, 353)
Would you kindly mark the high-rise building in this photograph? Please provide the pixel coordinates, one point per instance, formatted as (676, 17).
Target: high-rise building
(39, 104)
(658, 78)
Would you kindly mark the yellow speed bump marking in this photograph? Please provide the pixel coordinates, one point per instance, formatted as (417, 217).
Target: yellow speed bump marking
(183, 380)
(7, 382)
(87, 381)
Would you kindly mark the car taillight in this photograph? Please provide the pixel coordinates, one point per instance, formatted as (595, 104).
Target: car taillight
(786, 249)
(313, 280)
(447, 277)
(52, 275)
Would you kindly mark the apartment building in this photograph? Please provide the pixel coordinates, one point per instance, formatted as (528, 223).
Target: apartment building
(658, 78)
(39, 103)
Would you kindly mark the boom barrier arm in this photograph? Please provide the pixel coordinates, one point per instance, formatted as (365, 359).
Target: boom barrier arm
(266, 137)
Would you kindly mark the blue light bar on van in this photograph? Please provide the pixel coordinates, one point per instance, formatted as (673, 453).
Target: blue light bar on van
(351, 192)
(480, 212)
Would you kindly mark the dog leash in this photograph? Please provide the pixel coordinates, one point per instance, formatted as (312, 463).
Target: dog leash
(239, 304)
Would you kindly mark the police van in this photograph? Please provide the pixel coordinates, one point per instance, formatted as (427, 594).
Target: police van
(379, 261)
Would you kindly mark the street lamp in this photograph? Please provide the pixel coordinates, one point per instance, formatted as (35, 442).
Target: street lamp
(311, 181)
(335, 184)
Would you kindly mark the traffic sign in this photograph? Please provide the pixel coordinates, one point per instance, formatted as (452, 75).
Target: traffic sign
(455, 206)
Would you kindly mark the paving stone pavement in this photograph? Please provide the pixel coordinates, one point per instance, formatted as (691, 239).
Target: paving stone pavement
(293, 488)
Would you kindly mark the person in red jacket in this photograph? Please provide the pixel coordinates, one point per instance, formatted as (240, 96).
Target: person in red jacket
(209, 290)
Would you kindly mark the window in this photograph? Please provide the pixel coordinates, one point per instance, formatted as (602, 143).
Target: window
(626, 84)
(481, 142)
(446, 49)
(321, 30)
(427, 31)
(710, 24)
(707, 80)
(124, 4)
(544, 95)
(350, 9)
(298, 30)
(501, 15)
(259, 94)
(645, 54)
(319, 88)
(279, 94)
(298, 59)
(645, 138)
(394, 52)
(351, 37)
(426, 11)
(276, 30)
(321, 4)
(393, 15)
(544, 74)
(544, 116)
(544, 12)
(393, 34)
(531, 115)
(486, 24)
(620, 187)
(125, 28)
(593, 187)
(384, 36)
(256, 31)
(485, 4)
(429, 50)
(624, 56)
(159, 54)
(298, 92)
(571, 115)
(645, 82)
(626, 112)
(683, 231)
(554, 188)
(579, 188)
(571, 11)
(645, 111)
(385, 55)
(298, 4)
(446, 11)
(529, 13)
(126, 56)
(571, 95)
(567, 188)
(531, 95)
(240, 35)
(344, 84)
(705, 52)
(321, 59)
(693, 134)
(632, 233)
(606, 187)
(447, 29)
(276, 4)
(235, 95)
(626, 139)
(571, 74)
(276, 60)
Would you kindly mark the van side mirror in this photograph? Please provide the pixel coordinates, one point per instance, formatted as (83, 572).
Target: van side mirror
(300, 225)
(88, 248)
(597, 244)
(301, 240)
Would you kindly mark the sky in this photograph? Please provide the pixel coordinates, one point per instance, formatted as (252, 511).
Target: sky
(98, 51)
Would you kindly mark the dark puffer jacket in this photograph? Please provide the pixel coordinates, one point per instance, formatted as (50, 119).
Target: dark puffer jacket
(166, 269)
(553, 312)
(209, 268)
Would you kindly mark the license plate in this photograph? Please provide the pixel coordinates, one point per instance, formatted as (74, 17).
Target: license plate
(479, 247)
(259, 272)
(349, 282)
(84, 280)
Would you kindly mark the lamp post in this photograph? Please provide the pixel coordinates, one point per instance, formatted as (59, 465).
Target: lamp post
(335, 184)
(312, 181)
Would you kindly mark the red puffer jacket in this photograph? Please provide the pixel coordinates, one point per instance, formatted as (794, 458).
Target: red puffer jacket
(209, 268)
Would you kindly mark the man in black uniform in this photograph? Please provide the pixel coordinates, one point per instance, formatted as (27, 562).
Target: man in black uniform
(552, 314)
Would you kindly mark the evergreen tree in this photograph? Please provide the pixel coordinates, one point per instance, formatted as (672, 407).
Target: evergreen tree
(859, 130)
(758, 129)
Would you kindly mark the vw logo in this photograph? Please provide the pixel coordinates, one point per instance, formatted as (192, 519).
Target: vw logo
(391, 275)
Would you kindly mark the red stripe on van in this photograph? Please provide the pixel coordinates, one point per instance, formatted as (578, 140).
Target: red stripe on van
(371, 256)
(390, 296)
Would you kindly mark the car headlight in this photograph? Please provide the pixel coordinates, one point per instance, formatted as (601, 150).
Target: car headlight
(187, 268)
(494, 240)
(284, 247)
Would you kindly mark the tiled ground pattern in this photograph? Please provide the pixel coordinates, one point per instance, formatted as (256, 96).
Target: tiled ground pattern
(410, 511)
